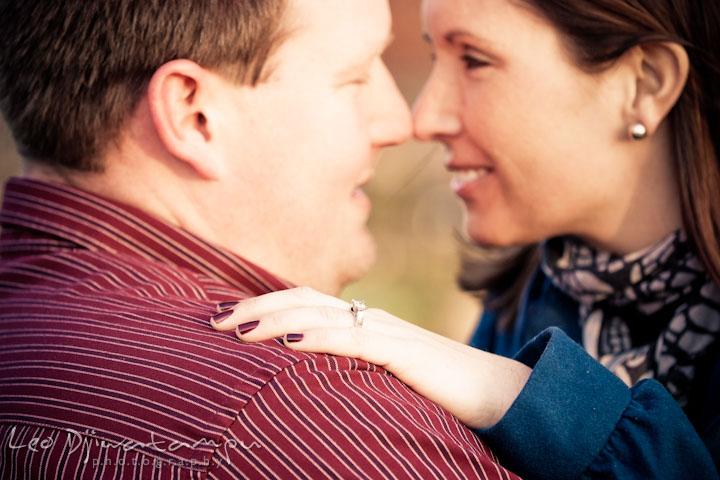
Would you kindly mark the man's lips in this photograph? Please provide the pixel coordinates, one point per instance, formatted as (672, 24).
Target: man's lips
(366, 178)
(359, 195)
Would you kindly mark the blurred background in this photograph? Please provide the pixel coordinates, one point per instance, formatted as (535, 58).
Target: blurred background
(414, 213)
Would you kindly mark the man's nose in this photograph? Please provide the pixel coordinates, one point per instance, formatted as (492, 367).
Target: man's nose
(392, 122)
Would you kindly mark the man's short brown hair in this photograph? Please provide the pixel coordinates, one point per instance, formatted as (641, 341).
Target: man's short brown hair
(72, 71)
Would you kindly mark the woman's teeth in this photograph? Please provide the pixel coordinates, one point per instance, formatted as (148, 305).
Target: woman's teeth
(463, 177)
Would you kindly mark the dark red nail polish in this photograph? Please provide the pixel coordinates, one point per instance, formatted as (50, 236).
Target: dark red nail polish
(226, 305)
(222, 316)
(247, 327)
(294, 337)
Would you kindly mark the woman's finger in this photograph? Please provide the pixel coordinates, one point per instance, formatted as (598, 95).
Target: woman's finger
(252, 309)
(353, 342)
(300, 320)
(295, 320)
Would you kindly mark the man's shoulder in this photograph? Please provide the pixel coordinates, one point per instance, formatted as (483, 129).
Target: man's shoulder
(110, 362)
(99, 297)
(90, 273)
(121, 350)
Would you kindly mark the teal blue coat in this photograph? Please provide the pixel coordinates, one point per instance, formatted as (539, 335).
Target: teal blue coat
(575, 419)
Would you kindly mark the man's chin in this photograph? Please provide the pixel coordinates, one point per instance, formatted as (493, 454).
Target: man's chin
(357, 261)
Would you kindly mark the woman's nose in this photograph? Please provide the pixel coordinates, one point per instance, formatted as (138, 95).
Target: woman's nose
(436, 112)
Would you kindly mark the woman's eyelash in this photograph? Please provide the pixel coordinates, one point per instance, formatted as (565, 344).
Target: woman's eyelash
(472, 62)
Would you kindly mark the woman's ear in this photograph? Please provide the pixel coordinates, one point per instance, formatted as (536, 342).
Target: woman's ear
(660, 73)
(177, 98)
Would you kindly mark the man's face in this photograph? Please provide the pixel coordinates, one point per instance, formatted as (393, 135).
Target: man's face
(302, 144)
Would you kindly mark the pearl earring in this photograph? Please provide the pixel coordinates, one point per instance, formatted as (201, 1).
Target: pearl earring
(638, 131)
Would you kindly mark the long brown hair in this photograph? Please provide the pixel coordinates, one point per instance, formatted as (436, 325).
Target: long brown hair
(598, 32)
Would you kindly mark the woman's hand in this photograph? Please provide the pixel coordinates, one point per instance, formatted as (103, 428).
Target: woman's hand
(475, 386)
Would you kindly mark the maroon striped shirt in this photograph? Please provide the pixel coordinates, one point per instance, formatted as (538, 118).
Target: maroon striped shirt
(109, 368)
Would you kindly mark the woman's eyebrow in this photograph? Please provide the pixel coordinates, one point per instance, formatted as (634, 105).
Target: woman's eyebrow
(451, 37)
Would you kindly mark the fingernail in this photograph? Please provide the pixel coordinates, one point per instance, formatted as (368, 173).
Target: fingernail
(247, 327)
(294, 337)
(222, 316)
(226, 305)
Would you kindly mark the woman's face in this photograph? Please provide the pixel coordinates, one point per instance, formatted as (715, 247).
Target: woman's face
(537, 146)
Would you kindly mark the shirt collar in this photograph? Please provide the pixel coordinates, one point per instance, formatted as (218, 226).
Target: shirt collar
(100, 224)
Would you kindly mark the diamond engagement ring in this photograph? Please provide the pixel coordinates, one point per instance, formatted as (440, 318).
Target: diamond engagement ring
(358, 310)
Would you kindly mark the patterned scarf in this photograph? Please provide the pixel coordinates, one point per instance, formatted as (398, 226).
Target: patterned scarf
(649, 314)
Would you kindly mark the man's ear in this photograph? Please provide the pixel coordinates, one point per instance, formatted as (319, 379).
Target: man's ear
(660, 73)
(177, 96)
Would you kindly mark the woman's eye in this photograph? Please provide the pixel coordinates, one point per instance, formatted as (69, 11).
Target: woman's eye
(472, 62)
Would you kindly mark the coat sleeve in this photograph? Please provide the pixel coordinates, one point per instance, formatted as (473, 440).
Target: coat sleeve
(575, 419)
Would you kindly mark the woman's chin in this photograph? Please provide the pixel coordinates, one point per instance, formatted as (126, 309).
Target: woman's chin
(496, 234)
(489, 239)
(487, 234)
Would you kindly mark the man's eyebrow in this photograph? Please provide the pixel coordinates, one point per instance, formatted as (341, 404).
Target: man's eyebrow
(365, 61)
(388, 40)
(383, 46)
